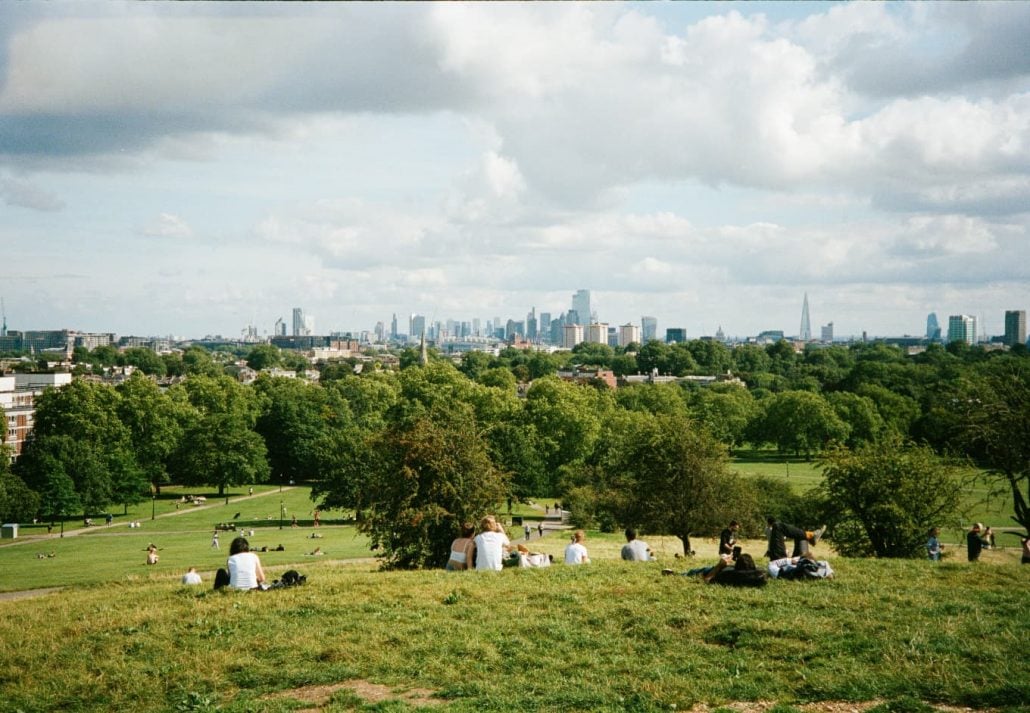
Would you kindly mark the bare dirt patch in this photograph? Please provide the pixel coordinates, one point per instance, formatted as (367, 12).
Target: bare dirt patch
(820, 707)
(318, 696)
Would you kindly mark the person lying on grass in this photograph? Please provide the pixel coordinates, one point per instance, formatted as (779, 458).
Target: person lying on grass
(803, 567)
(741, 573)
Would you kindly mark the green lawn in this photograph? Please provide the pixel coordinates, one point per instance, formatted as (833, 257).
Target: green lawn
(608, 636)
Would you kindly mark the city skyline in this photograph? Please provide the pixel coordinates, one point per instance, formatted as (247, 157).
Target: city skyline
(196, 168)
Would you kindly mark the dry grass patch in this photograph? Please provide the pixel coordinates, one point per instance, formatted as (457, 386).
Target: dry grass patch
(319, 696)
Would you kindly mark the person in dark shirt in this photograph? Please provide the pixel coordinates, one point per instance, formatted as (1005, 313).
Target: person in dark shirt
(779, 530)
(974, 542)
(728, 538)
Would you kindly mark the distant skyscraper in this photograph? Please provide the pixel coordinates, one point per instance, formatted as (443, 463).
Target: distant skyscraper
(298, 321)
(581, 305)
(475, 327)
(596, 333)
(827, 333)
(962, 328)
(629, 334)
(675, 335)
(648, 329)
(572, 334)
(531, 324)
(393, 327)
(1015, 327)
(416, 326)
(806, 325)
(543, 328)
(279, 330)
(933, 329)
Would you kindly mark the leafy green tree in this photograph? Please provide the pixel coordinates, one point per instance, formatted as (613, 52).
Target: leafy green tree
(293, 423)
(219, 446)
(263, 356)
(751, 359)
(885, 496)
(154, 422)
(423, 477)
(198, 361)
(680, 361)
(542, 364)
(860, 414)
(667, 475)
(591, 354)
(567, 417)
(104, 356)
(711, 357)
(725, 410)
(499, 378)
(146, 360)
(652, 398)
(18, 502)
(653, 357)
(798, 422)
(475, 364)
(624, 364)
(77, 434)
(995, 428)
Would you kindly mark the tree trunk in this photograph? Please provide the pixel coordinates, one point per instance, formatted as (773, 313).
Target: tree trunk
(687, 551)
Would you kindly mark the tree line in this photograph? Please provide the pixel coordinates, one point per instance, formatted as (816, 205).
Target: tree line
(416, 451)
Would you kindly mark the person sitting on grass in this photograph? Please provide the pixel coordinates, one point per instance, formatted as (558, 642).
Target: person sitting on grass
(576, 552)
(739, 573)
(635, 550)
(802, 567)
(191, 576)
(491, 544)
(244, 568)
(778, 531)
(463, 550)
(152, 556)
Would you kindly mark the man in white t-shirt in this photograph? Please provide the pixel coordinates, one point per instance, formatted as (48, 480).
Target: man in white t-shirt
(191, 577)
(576, 552)
(491, 545)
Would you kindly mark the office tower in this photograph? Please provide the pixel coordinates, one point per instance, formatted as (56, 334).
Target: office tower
(581, 305)
(628, 334)
(475, 327)
(572, 334)
(675, 334)
(279, 330)
(648, 329)
(380, 332)
(393, 327)
(416, 325)
(962, 328)
(572, 317)
(806, 326)
(1015, 327)
(309, 325)
(531, 324)
(933, 329)
(298, 321)
(827, 333)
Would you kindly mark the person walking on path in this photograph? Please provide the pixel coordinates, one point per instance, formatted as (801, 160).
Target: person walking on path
(525, 529)
(540, 528)
(214, 541)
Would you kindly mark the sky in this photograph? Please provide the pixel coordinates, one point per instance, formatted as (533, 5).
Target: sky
(194, 168)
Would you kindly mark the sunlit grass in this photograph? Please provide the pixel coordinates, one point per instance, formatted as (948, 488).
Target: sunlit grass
(607, 636)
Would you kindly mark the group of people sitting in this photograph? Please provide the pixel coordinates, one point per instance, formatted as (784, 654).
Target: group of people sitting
(736, 568)
(492, 550)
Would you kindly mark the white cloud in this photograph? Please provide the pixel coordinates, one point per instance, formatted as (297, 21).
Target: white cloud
(168, 225)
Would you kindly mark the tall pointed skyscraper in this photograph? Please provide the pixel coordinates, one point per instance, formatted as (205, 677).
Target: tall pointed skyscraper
(806, 325)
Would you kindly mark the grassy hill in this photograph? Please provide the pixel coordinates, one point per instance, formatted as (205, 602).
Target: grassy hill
(608, 636)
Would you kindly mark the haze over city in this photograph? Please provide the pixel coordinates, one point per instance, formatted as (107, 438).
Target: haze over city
(193, 168)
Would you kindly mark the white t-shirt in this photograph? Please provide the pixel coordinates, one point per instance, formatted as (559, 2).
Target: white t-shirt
(490, 550)
(575, 554)
(191, 578)
(243, 571)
